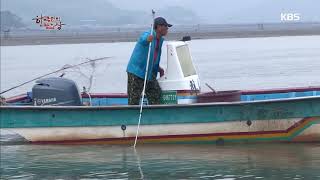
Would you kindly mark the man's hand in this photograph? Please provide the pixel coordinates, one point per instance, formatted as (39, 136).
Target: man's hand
(161, 71)
(150, 38)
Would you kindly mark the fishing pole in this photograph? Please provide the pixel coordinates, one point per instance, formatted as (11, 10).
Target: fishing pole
(145, 80)
(63, 68)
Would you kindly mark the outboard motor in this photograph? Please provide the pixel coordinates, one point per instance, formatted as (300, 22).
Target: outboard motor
(56, 91)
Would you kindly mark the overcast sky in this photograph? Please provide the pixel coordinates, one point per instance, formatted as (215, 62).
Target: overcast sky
(200, 11)
(238, 11)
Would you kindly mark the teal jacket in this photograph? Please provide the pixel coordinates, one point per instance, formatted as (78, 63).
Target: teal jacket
(138, 60)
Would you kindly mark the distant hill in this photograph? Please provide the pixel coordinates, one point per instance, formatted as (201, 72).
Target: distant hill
(93, 12)
(137, 12)
(10, 20)
(234, 11)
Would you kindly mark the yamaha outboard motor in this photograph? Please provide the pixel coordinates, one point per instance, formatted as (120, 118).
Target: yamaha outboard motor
(56, 91)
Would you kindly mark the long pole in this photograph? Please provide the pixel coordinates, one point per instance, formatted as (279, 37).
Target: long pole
(64, 68)
(145, 82)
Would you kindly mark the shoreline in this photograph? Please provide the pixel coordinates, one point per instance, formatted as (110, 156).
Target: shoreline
(110, 37)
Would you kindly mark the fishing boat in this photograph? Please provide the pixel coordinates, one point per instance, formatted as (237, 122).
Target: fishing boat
(55, 111)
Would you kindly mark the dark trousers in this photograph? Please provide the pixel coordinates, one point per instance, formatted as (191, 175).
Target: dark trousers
(135, 88)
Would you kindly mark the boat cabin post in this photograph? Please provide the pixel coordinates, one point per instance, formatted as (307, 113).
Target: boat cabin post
(180, 83)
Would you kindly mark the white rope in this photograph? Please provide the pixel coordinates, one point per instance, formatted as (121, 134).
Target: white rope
(144, 83)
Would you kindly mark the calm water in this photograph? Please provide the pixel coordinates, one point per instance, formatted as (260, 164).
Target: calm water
(225, 64)
(248, 63)
(271, 161)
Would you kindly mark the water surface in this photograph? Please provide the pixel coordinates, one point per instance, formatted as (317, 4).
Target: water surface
(225, 64)
(256, 161)
(247, 63)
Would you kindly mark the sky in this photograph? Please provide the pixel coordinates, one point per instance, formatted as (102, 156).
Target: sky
(115, 12)
(234, 11)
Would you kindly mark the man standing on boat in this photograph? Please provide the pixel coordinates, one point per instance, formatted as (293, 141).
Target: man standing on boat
(137, 64)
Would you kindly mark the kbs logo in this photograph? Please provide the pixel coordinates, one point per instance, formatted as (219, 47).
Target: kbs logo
(290, 16)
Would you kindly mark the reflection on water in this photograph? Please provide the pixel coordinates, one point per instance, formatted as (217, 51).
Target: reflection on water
(268, 161)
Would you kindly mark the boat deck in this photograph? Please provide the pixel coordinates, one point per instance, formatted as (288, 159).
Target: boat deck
(109, 99)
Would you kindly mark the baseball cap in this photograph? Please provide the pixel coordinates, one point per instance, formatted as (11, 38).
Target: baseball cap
(161, 21)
